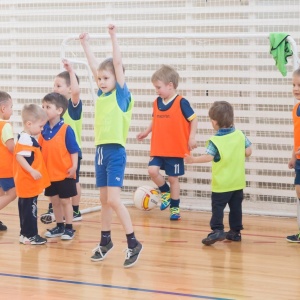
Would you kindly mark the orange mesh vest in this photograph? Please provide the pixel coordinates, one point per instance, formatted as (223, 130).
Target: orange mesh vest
(296, 120)
(26, 186)
(6, 157)
(56, 155)
(170, 131)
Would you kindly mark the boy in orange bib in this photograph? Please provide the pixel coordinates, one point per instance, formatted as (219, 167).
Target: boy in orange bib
(30, 174)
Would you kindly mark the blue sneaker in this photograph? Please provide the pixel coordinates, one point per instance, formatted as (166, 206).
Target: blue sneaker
(68, 234)
(175, 213)
(54, 232)
(165, 200)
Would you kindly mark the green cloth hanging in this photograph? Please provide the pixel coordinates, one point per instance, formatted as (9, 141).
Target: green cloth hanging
(280, 49)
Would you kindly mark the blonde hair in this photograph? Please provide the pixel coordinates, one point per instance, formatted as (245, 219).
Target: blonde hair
(296, 72)
(108, 65)
(33, 113)
(166, 74)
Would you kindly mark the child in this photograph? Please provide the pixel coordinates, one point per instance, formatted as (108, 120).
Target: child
(112, 119)
(7, 185)
(60, 152)
(227, 149)
(173, 128)
(67, 84)
(30, 173)
(294, 162)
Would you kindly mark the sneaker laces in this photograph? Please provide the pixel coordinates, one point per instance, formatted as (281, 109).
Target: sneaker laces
(98, 249)
(175, 210)
(128, 253)
(165, 197)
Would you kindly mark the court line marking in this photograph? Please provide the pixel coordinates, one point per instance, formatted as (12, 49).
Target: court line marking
(111, 286)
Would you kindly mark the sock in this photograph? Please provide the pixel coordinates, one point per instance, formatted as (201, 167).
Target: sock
(131, 240)
(60, 225)
(76, 208)
(105, 238)
(164, 188)
(69, 226)
(174, 203)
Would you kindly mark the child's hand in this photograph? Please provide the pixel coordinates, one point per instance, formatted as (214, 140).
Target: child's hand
(188, 159)
(35, 174)
(292, 163)
(111, 29)
(192, 144)
(84, 37)
(71, 172)
(67, 65)
(141, 136)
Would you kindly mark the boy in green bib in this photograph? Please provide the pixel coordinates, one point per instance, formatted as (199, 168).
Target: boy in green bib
(227, 150)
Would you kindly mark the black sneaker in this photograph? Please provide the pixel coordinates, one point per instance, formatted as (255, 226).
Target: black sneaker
(214, 236)
(132, 255)
(293, 238)
(48, 217)
(100, 252)
(232, 235)
(34, 240)
(77, 216)
(2, 227)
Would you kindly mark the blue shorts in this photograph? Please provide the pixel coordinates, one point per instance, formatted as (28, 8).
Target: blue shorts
(297, 172)
(173, 166)
(7, 183)
(110, 162)
(297, 177)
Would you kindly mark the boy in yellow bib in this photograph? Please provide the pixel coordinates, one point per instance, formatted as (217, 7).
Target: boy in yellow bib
(227, 150)
(113, 111)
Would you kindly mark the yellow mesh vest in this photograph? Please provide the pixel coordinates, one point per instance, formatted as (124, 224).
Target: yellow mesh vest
(228, 174)
(111, 123)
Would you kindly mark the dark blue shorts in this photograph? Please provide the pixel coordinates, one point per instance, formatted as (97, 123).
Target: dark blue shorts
(110, 162)
(7, 183)
(173, 166)
(297, 177)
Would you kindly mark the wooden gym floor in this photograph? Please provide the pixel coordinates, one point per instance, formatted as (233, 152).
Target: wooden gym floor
(173, 265)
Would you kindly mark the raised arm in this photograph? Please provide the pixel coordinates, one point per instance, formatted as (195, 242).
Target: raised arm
(91, 58)
(74, 85)
(117, 57)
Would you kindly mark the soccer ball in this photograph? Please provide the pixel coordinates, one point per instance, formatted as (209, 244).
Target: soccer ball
(145, 197)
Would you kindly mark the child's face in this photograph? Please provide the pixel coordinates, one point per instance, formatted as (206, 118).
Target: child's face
(296, 87)
(60, 86)
(35, 128)
(51, 110)
(6, 110)
(106, 81)
(163, 90)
